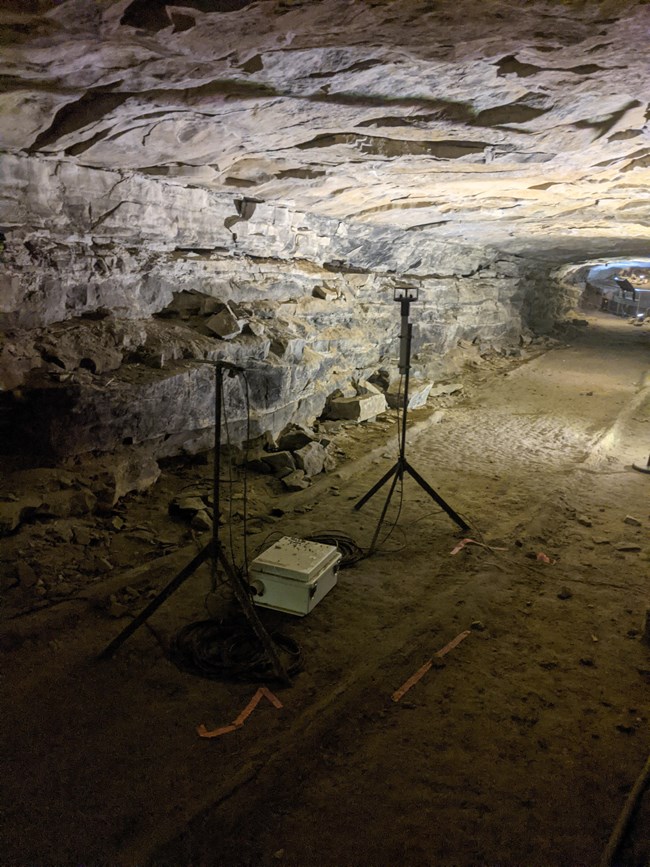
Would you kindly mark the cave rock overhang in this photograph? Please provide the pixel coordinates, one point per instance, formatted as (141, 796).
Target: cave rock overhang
(521, 127)
(303, 155)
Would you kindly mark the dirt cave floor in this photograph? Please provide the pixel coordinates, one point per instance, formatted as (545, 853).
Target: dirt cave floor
(517, 747)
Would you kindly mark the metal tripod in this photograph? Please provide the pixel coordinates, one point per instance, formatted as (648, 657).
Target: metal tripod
(214, 552)
(402, 466)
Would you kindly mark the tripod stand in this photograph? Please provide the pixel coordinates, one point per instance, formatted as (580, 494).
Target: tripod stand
(405, 296)
(214, 552)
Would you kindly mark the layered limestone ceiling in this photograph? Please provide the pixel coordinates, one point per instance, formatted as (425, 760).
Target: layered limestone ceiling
(277, 167)
(524, 126)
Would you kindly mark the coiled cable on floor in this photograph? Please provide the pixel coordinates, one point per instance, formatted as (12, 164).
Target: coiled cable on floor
(229, 649)
(350, 552)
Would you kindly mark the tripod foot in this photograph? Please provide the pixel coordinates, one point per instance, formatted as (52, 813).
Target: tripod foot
(455, 517)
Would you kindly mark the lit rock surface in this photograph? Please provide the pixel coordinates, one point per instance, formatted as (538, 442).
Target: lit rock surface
(292, 160)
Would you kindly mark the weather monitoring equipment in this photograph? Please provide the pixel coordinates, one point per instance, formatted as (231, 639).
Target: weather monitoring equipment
(405, 295)
(293, 575)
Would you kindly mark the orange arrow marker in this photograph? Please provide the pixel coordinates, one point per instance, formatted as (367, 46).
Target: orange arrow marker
(261, 693)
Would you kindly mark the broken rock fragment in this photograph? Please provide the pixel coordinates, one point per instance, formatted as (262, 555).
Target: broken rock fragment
(311, 459)
(359, 408)
(294, 437)
(281, 463)
(418, 395)
(224, 324)
(258, 464)
(26, 575)
(326, 293)
(296, 481)
(201, 521)
(14, 512)
(193, 508)
(124, 471)
(65, 504)
(186, 505)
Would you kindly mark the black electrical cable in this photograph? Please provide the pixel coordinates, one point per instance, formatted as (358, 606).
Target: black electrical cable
(231, 480)
(245, 474)
(382, 550)
(397, 516)
(350, 552)
(230, 649)
(475, 531)
(262, 546)
(399, 416)
(391, 530)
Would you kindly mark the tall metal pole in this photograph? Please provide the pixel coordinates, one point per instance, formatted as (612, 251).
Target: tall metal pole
(402, 466)
(215, 552)
(405, 364)
(216, 472)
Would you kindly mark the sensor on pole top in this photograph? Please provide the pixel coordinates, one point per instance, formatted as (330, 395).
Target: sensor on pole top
(405, 293)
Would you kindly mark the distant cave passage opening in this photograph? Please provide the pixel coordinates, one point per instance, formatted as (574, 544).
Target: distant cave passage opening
(618, 286)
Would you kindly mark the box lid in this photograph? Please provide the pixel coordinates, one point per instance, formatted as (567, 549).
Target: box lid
(296, 558)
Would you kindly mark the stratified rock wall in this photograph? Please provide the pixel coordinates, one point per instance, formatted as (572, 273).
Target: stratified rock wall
(81, 240)
(250, 181)
(110, 279)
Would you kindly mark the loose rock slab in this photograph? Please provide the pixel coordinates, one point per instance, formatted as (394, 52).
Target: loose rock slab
(359, 408)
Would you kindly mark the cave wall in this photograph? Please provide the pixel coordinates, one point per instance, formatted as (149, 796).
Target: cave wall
(80, 240)
(110, 279)
(279, 166)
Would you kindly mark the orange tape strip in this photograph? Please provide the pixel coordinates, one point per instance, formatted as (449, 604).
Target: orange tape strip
(413, 679)
(460, 546)
(248, 710)
(463, 542)
(268, 694)
(454, 643)
(261, 693)
(419, 674)
(215, 733)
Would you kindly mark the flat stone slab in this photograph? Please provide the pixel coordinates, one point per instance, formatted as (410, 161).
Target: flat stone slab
(280, 462)
(224, 324)
(294, 437)
(418, 395)
(359, 408)
(296, 481)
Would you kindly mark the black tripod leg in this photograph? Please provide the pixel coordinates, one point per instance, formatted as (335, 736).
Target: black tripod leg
(435, 496)
(376, 487)
(398, 475)
(164, 594)
(255, 623)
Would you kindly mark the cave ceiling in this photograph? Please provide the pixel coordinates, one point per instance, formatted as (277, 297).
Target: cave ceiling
(519, 125)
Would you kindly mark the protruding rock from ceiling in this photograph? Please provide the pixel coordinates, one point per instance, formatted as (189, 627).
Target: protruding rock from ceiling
(451, 115)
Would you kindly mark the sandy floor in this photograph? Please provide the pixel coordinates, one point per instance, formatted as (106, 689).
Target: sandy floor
(519, 748)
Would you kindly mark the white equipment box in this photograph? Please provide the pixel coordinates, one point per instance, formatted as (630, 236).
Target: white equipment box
(294, 575)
